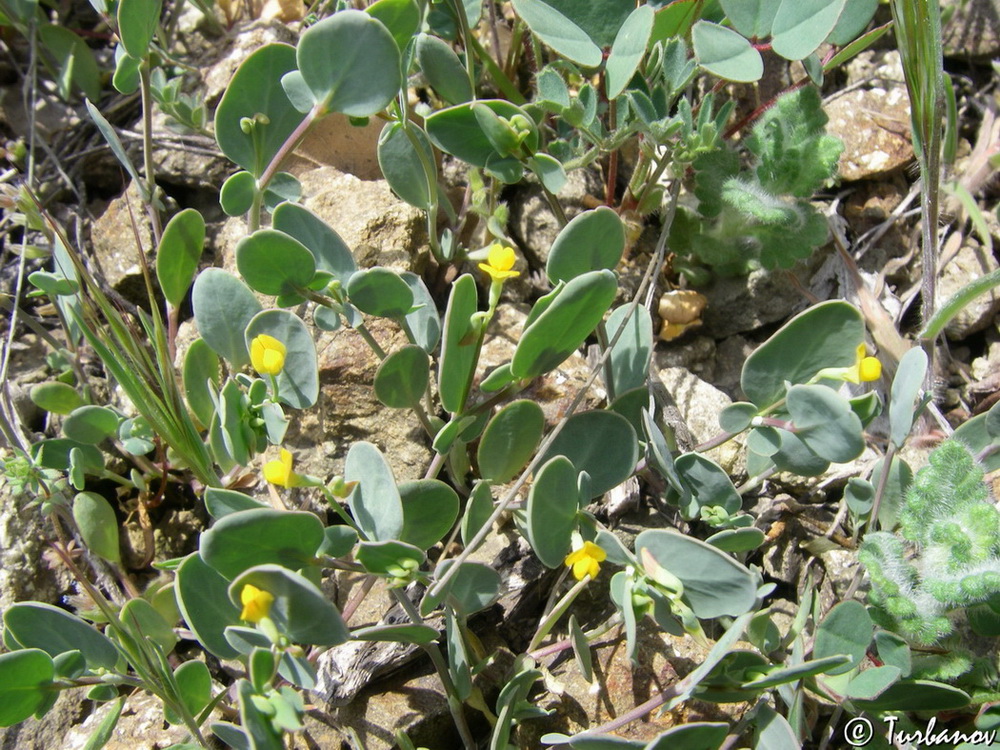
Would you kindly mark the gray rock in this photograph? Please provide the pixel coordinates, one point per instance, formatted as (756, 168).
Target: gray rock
(113, 240)
(972, 31)
(970, 263)
(745, 303)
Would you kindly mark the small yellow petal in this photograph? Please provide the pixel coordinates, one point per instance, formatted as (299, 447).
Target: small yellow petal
(586, 560)
(280, 472)
(870, 369)
(256, 603)
(267, 354)
(501, 257)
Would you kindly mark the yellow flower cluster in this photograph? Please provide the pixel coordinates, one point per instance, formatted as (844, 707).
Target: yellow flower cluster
(256, 603)
(280, 472)
(500, 262)
(586, 561)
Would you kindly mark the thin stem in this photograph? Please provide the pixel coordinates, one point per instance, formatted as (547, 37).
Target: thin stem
(883, 480)
(546, 625)
(147, 151)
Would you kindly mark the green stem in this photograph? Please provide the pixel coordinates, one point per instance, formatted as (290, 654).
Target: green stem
(957, 302)
(147, 150)
(463, 23)
(546, 625)
(454, 702)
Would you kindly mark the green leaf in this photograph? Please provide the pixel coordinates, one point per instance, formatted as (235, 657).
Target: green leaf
(675, 20)
(255, 94)
(223, 307)
(298, 381)
(737, 417)
(381, 292)
(430, 509)
(220, 502)
(847, 629)
(402, 378)
(549, 171)
(474, 587)
(418, 634)
(91, 425)
(25, 684)
(628, 50)
(339, 541)
(568, 319)
(825, 422)
(581, 649)
(56, 631)
(906, 387)
(380, 557)
(894, 650)
(601, 443)
(241, 540)
(591, 241)
(194, 687)
(559, 32)
(375, 502)
(774, 732)
(709, 484)
(477, 511)
(237, 193)
(781, 675)
(693, 736)
(400, 17)
(553, 505)
(458, 131)
(98, 525)
(860, 496)
(826, 335)
(725, 53)
(510, 440)
(632, 353)
(300, 610)
(177, 256)
(443, 69)
(56, 397)
(856, 16)
(423, 319)
(143, 622)
(800, 26)
(714, 583)
(752, 18)
(137, 22)
(871, 683)
(272, 262)
(350, 63)
(460, 347)
(201, 367)
(402, 166)
(917, 695)
(458, 656)
(795, 456)
(330, 252)
(737, 540)
(104, 732)
(74, 60)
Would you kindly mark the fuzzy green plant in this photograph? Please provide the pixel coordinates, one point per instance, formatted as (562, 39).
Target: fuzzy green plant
(946, 555)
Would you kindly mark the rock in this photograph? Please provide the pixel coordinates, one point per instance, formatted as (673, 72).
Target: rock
(189, 160)
(243, 40)
(874, 122)
(970, 263)
(23, 574)
(352, 149)
(737, 304)
(380, 228)
(141, 725)
(113, 239)
(699, 404)
(49, 731)
(973, 30)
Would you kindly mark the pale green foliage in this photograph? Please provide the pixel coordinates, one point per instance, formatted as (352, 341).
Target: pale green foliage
(761, 215)
(950, 521)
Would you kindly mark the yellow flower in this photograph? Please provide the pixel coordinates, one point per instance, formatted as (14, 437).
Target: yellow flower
(256, 603)
(267, 354)
(586, 561)
(865, 369)
(280, 471)
(499, 262)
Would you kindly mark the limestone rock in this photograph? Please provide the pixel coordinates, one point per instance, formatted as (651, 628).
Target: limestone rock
(873, 122)
(970, 263)
(113, 240)
(737, 304)
(973, 31)
(380, 228)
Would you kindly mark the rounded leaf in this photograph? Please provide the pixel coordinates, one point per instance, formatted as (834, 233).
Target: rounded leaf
(725, 53)
(201, 367)
(714, 583)
(736, 417)
(847, 629)
(826, 335)
(272, 262)
(300, 610)
(381, 292)
(800, 26)
(458, 131)
(430, 509)
(633, 351)
(223, 307)
(400, 17)
(569, 317)
(591, 241)
(98, 525)
(510, 440)
(203, 600)
(443, 69)
(629, 49)
(474, 587)
(137, 22)
(330, 252)
(237, 193)
(825, 422)
(906, 387)
(375, 501)
(423, 319)
(601, 443)
(177, 256)
(402, 378)
(553, 505)
(559, 32)
(298, 381)
(460, 349)
(91, 424)
(25, 680)
(56, 397)
(350, 63)
(56, 631)
(402, 167)
(241, 540)
(255, 95)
